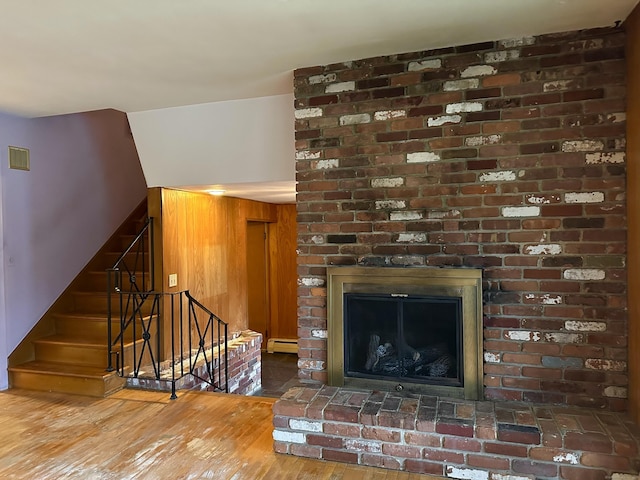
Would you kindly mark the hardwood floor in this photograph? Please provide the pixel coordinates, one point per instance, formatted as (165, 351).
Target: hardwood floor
(144, 435)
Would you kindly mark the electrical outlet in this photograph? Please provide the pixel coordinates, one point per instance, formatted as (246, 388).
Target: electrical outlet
(173, 280)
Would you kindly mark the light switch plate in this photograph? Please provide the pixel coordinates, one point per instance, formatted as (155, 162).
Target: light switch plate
(173, 279)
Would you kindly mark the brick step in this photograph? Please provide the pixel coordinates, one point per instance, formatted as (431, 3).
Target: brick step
(453, 437)
(61, 377)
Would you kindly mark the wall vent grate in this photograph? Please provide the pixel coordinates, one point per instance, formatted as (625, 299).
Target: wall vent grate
(19, 158)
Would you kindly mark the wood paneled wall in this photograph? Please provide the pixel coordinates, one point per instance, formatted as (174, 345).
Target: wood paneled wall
(633, 206)
(202, 239)
(283, 242)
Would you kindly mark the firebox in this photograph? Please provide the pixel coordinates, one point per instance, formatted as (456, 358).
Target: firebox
(412, 329)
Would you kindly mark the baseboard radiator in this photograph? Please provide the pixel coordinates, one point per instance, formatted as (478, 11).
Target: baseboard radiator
(282, 345)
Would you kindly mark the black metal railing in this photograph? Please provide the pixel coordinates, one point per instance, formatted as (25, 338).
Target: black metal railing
(136, 269)
(149, 319)
(198, 341)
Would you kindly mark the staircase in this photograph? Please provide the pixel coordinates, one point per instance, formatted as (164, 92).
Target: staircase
(71, 356)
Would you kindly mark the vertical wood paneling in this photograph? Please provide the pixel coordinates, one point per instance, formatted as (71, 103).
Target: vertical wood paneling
(204, 243)
(283, 243)
(633, 201)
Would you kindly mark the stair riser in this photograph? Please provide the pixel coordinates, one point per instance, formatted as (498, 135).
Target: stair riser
(89, 328)
(73, 354)
(97, 304)
(132, 260)
(88, 355)
(97, 282)
(125, 241)
(94, 387)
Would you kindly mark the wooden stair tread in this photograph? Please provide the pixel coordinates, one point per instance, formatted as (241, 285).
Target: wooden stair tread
(90, 341)
(54, 368)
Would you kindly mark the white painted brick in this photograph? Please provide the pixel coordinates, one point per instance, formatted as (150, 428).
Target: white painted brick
(464, 107)
(564, 337)
(387, 182)
(584, 197)
(326, 164)
(542, 200)
(517, 42)
(399, 216)
(432, 64)
(478, 71)
(624, 476)
(477, 141)
(422, 157)
(385, 204)
(443, 120)
(523, 335)
(608, 157)
(412, 238)
(501, 56)
(567, 457)
(584, 274)
(615, 392)
(543, 249)
(504, 176)
(545, 299)
(306, 364)
(582, 145)
(317, 239)
(491, 357)
(521, 211)
(310, 282)
(389, 114)
(453, 85)
(369, 446)
(617, 117)
(355, 119)
(328, 78)
(340, 87)
(557, 85)
(290, 437)
(408, 260)
(319, 333)
(307, 155)
(439, 214)
(576, 326)
(604, 364)
(467, 473)
(308, 113)
(306, 425)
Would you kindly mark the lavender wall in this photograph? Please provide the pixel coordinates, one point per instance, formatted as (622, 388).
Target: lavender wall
(85, 179)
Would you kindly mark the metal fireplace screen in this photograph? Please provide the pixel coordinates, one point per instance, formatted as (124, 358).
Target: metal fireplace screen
(403, 338)
(412, 329)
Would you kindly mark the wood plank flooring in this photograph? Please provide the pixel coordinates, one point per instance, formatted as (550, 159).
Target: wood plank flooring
(144, 435)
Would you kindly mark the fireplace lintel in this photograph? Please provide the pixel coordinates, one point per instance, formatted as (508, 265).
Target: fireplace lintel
(465, 283)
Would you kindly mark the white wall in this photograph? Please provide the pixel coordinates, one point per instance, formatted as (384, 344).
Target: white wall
(85, 179)
(236, 141)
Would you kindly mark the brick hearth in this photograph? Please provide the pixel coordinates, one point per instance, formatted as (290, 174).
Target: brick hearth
(456, 438)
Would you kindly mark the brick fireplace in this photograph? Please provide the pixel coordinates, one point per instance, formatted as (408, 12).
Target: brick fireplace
(505, 156)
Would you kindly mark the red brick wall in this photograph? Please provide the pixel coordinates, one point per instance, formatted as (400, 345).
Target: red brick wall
(505, 155)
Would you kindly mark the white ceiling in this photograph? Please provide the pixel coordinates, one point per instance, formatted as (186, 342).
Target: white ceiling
(68, 56)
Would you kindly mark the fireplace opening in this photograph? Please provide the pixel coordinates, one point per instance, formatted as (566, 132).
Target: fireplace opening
(412, 329)
(415, 338)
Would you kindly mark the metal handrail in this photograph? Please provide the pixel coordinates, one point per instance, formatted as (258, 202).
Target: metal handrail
(115, 276)
(198, 341)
